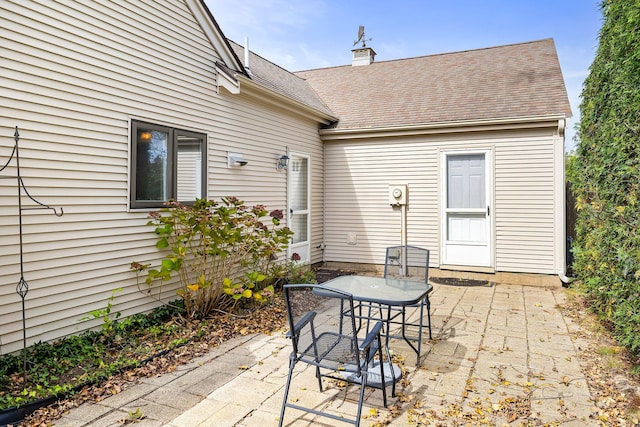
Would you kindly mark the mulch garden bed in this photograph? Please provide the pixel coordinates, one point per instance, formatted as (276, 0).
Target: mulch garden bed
(325, 274)
(454, 281)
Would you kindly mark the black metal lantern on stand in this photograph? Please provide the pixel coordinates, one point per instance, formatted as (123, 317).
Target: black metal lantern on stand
(22, 288)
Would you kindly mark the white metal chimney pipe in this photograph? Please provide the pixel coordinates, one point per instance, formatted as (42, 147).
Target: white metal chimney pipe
(246, 54)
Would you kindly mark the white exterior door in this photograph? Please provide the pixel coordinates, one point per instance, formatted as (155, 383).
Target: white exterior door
(466, 208)
(299, 206)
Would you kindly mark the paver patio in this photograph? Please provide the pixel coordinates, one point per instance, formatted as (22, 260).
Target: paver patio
(501, 355)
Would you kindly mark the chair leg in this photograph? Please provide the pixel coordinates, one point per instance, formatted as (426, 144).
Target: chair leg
(383, 380)
(420, 334)
(428, 303)
(286, 391)
(363, 384)
(319, 377)
(393, 378)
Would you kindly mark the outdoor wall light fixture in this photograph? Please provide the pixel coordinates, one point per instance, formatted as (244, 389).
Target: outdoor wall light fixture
(235, 159)
(283, 161)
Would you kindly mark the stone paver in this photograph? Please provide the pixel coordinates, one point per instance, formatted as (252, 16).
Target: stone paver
(493, 346)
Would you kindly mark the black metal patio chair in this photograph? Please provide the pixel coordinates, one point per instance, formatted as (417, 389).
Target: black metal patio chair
(406, 262)
(322, 328)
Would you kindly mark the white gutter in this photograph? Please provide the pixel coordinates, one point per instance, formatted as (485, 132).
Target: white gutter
(439, 127)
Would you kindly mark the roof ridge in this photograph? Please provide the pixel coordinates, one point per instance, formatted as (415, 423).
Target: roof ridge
(515, 80)
(433, 55)
(472, 50)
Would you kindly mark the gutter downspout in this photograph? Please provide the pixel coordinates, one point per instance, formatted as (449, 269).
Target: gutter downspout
(562, 274)
(324, 200)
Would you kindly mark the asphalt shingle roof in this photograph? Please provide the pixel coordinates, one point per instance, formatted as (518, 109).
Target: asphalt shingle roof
(512, 81)
(281, 81)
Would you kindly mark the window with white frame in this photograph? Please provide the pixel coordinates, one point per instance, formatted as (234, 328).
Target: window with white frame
(166, 164)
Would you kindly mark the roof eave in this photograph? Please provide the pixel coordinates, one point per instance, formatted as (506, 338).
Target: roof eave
(211, 28)
(505, 123)
(275, 98)
(226, 80)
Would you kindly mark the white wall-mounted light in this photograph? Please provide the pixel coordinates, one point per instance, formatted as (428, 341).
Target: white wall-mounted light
(283, 162)
(235, 159)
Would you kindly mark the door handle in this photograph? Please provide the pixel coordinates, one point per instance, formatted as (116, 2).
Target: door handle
(488, 211)
(291, 211)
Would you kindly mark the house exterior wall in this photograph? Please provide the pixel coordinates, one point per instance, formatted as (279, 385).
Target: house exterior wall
(74, 76)
(525, 206)
(262, 133)
(526, 202)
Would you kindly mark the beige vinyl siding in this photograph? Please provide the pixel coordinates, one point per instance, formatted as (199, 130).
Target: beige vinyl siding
(77, 73)
(359, 173)
(525, 205)
(262, 133)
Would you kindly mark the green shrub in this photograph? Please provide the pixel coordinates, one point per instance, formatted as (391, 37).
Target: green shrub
(222, 253)
(56, 368)
(604, 175)
(301, 274)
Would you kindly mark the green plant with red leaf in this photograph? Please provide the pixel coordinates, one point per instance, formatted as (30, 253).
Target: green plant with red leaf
(221, 252)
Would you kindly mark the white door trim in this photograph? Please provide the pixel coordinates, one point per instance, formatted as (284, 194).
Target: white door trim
(303, 248)
(467, 253)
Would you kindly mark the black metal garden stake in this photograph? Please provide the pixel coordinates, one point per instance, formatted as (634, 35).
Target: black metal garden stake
(22, 288)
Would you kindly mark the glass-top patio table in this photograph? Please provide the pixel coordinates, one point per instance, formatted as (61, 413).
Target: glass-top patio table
(378, 295)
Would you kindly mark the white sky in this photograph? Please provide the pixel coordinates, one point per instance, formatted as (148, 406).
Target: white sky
(306, 34)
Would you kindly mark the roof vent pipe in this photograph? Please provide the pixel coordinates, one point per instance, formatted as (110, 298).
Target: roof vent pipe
(246, 55)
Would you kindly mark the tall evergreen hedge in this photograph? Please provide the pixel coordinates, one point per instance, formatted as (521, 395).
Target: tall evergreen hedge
(605, 174)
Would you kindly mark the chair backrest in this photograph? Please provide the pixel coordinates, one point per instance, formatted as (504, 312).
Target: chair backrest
(322, 325)
(407, 261)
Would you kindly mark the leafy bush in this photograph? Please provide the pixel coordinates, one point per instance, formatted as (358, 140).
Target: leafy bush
(222, 253)
(604, 175)
(57, 368)
(293, 271)
(301, 274)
